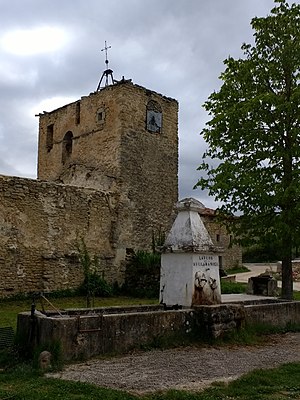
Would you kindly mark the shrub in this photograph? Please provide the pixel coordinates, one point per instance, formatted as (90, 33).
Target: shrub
(142, 275)
(93, 284)
(96, 286)
(261, 253)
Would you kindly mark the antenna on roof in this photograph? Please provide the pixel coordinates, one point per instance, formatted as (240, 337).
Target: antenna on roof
(108, 73)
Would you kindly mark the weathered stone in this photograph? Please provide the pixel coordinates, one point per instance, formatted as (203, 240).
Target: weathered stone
(263, 284)
(232, 253)
(45, 360)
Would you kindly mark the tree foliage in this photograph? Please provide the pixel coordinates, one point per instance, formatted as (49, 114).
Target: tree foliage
(252, 163)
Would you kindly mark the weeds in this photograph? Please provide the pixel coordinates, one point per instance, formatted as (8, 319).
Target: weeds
(93, 284)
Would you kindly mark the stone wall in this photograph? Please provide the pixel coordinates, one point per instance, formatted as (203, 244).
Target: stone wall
(40, 224)
(149, 165)
(281, 314)
(232, 255)
(93, 156)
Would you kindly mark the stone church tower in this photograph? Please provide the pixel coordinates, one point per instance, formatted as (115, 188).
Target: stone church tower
(122, 139)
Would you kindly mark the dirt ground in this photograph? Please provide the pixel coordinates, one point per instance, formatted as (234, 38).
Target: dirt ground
(190, 368)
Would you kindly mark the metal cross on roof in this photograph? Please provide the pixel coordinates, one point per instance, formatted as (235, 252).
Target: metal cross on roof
(105, 49)
(108, 73)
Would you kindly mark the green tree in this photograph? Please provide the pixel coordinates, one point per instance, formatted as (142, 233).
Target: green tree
(252, 163)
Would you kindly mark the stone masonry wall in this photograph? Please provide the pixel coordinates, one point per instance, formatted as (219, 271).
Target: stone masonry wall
(93, 159)
(232, 255)
(40, 224)
(149, 165)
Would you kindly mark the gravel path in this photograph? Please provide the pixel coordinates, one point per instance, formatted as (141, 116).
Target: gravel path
(191, 368)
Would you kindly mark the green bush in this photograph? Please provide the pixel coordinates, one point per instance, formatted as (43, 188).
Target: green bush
(261, 253)
(96, 285)
(142, 275)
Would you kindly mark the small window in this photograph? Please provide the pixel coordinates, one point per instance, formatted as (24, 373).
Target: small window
(218, 237)
(154, 117)
(101, 115)
(77, 116)
(49, 137)
(67, 146)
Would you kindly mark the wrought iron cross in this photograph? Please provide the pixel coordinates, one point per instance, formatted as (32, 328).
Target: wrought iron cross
(108, 73)
(105, 49)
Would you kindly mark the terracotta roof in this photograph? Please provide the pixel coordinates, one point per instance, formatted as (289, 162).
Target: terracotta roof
(207, 211)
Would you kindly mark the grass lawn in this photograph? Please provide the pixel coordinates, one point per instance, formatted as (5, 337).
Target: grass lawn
(282, 383)
(9, 309)
(237, 270)
(228, 287)
(297, 295)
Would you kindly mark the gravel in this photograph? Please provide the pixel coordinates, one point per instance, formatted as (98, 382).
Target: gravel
(190, 368)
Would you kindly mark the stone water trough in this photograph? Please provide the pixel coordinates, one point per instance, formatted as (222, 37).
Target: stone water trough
(85, 333)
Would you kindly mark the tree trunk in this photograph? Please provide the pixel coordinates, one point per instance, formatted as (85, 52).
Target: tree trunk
(287, 278)
(288, 210)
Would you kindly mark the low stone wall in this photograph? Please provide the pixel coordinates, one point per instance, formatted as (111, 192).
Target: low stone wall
(280, 314)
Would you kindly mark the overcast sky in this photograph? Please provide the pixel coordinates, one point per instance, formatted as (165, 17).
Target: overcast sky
(51, 55)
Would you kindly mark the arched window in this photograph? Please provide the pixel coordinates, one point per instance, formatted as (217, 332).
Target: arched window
(154, 117)
(67, 146)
